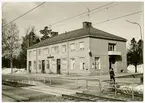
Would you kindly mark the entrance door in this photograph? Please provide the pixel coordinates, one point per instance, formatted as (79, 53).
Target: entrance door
(43, 66)
(29, 68)
(58, 66)
(112, 62)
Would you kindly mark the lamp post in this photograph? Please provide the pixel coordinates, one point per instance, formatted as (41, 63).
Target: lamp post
(138, 25)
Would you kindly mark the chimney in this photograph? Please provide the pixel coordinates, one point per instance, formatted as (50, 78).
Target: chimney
(54, 34)
(87, 24)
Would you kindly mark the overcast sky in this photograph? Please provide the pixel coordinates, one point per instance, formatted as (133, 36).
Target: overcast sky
(50, 13)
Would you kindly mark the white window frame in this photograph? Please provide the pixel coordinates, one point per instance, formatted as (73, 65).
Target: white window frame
(64, 48)
(39, 52)
(30, 54)
(45, 50)
(34, 52)
(72, 63)
(83, 47)
(98, 63)
(112, 46)
(72, 47)
(55, 49)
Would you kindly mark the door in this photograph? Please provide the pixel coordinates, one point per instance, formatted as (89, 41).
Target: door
(43, 66)
(112, 62)
(58, 66)
(29, 68)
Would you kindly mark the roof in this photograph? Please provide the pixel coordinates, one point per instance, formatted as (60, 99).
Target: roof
(76, 34)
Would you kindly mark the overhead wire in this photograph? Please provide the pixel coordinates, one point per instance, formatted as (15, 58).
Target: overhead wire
(24, 13)
(118, 17)
(92, 12)
(81, 14)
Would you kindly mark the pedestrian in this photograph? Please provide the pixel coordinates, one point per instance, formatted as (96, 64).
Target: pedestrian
(112, 75)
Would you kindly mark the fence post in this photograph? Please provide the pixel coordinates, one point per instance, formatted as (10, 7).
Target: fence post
(44, 80)
(86, 83)
(115, 89)
(100, 87)
(77, 83)
(132, 93)
(50, 82)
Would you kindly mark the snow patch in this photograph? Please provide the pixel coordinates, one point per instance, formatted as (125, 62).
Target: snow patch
(131, 69)
(15, 71)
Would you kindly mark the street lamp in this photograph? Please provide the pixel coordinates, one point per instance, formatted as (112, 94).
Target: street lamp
(138, 25)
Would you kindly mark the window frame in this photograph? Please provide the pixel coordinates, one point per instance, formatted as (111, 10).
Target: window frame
(83, 45)
(111, 47)
(64, 45)
(71, 47)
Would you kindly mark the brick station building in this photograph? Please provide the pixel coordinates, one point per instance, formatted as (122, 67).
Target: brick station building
(85, 51)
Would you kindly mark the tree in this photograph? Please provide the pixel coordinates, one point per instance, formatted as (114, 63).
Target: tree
(135, 53)
(10, 43)
(46, 33)
(29, 40)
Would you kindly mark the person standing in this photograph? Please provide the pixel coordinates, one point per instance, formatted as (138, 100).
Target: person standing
(112, 74)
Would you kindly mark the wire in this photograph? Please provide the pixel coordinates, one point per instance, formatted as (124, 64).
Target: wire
(25, 13)
(81, 14)
(118, 17)
(94, 12)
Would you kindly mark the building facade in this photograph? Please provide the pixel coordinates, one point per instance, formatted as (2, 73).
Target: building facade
(85, 51)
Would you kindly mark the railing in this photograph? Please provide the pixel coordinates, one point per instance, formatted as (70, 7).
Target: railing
(35, 81)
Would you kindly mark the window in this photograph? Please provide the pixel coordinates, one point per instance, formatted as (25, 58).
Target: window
(64, 63)
(45, 51)
(72, 63)
(39, 51)
(111, 47)
(34, 64)
(97, 63)
(34, 52)
(82, 63)
(30, 54)
(81, 45)
(55, 49)
(63, 48)
(48, 64)
(72, 47)
(40, 64)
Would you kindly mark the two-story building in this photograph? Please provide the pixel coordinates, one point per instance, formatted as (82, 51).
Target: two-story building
(85, 51)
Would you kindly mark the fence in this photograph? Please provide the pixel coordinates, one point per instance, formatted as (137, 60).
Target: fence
(76, 82)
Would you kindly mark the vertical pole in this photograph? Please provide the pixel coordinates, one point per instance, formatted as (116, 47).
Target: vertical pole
(44, 80)
(115, 89)
(77, 83)
(36, 60)
(68, 57)
(100, 87)
(132, 93)
(86, 83)
(50, 82)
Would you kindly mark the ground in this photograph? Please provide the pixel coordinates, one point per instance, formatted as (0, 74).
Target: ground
(65, 81)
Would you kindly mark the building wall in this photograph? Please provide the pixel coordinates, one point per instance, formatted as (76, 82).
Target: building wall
(99, 48)
(79, 55)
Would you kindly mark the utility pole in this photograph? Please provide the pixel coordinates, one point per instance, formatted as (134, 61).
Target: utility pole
(67, 54)
(88, 14)
(138, 25)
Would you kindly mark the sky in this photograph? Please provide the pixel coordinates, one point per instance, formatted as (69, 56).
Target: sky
(52, 12)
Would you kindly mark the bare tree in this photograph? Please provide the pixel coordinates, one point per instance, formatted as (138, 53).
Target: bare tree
(11, 42)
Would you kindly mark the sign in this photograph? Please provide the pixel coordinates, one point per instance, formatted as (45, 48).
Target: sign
(50, 57)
